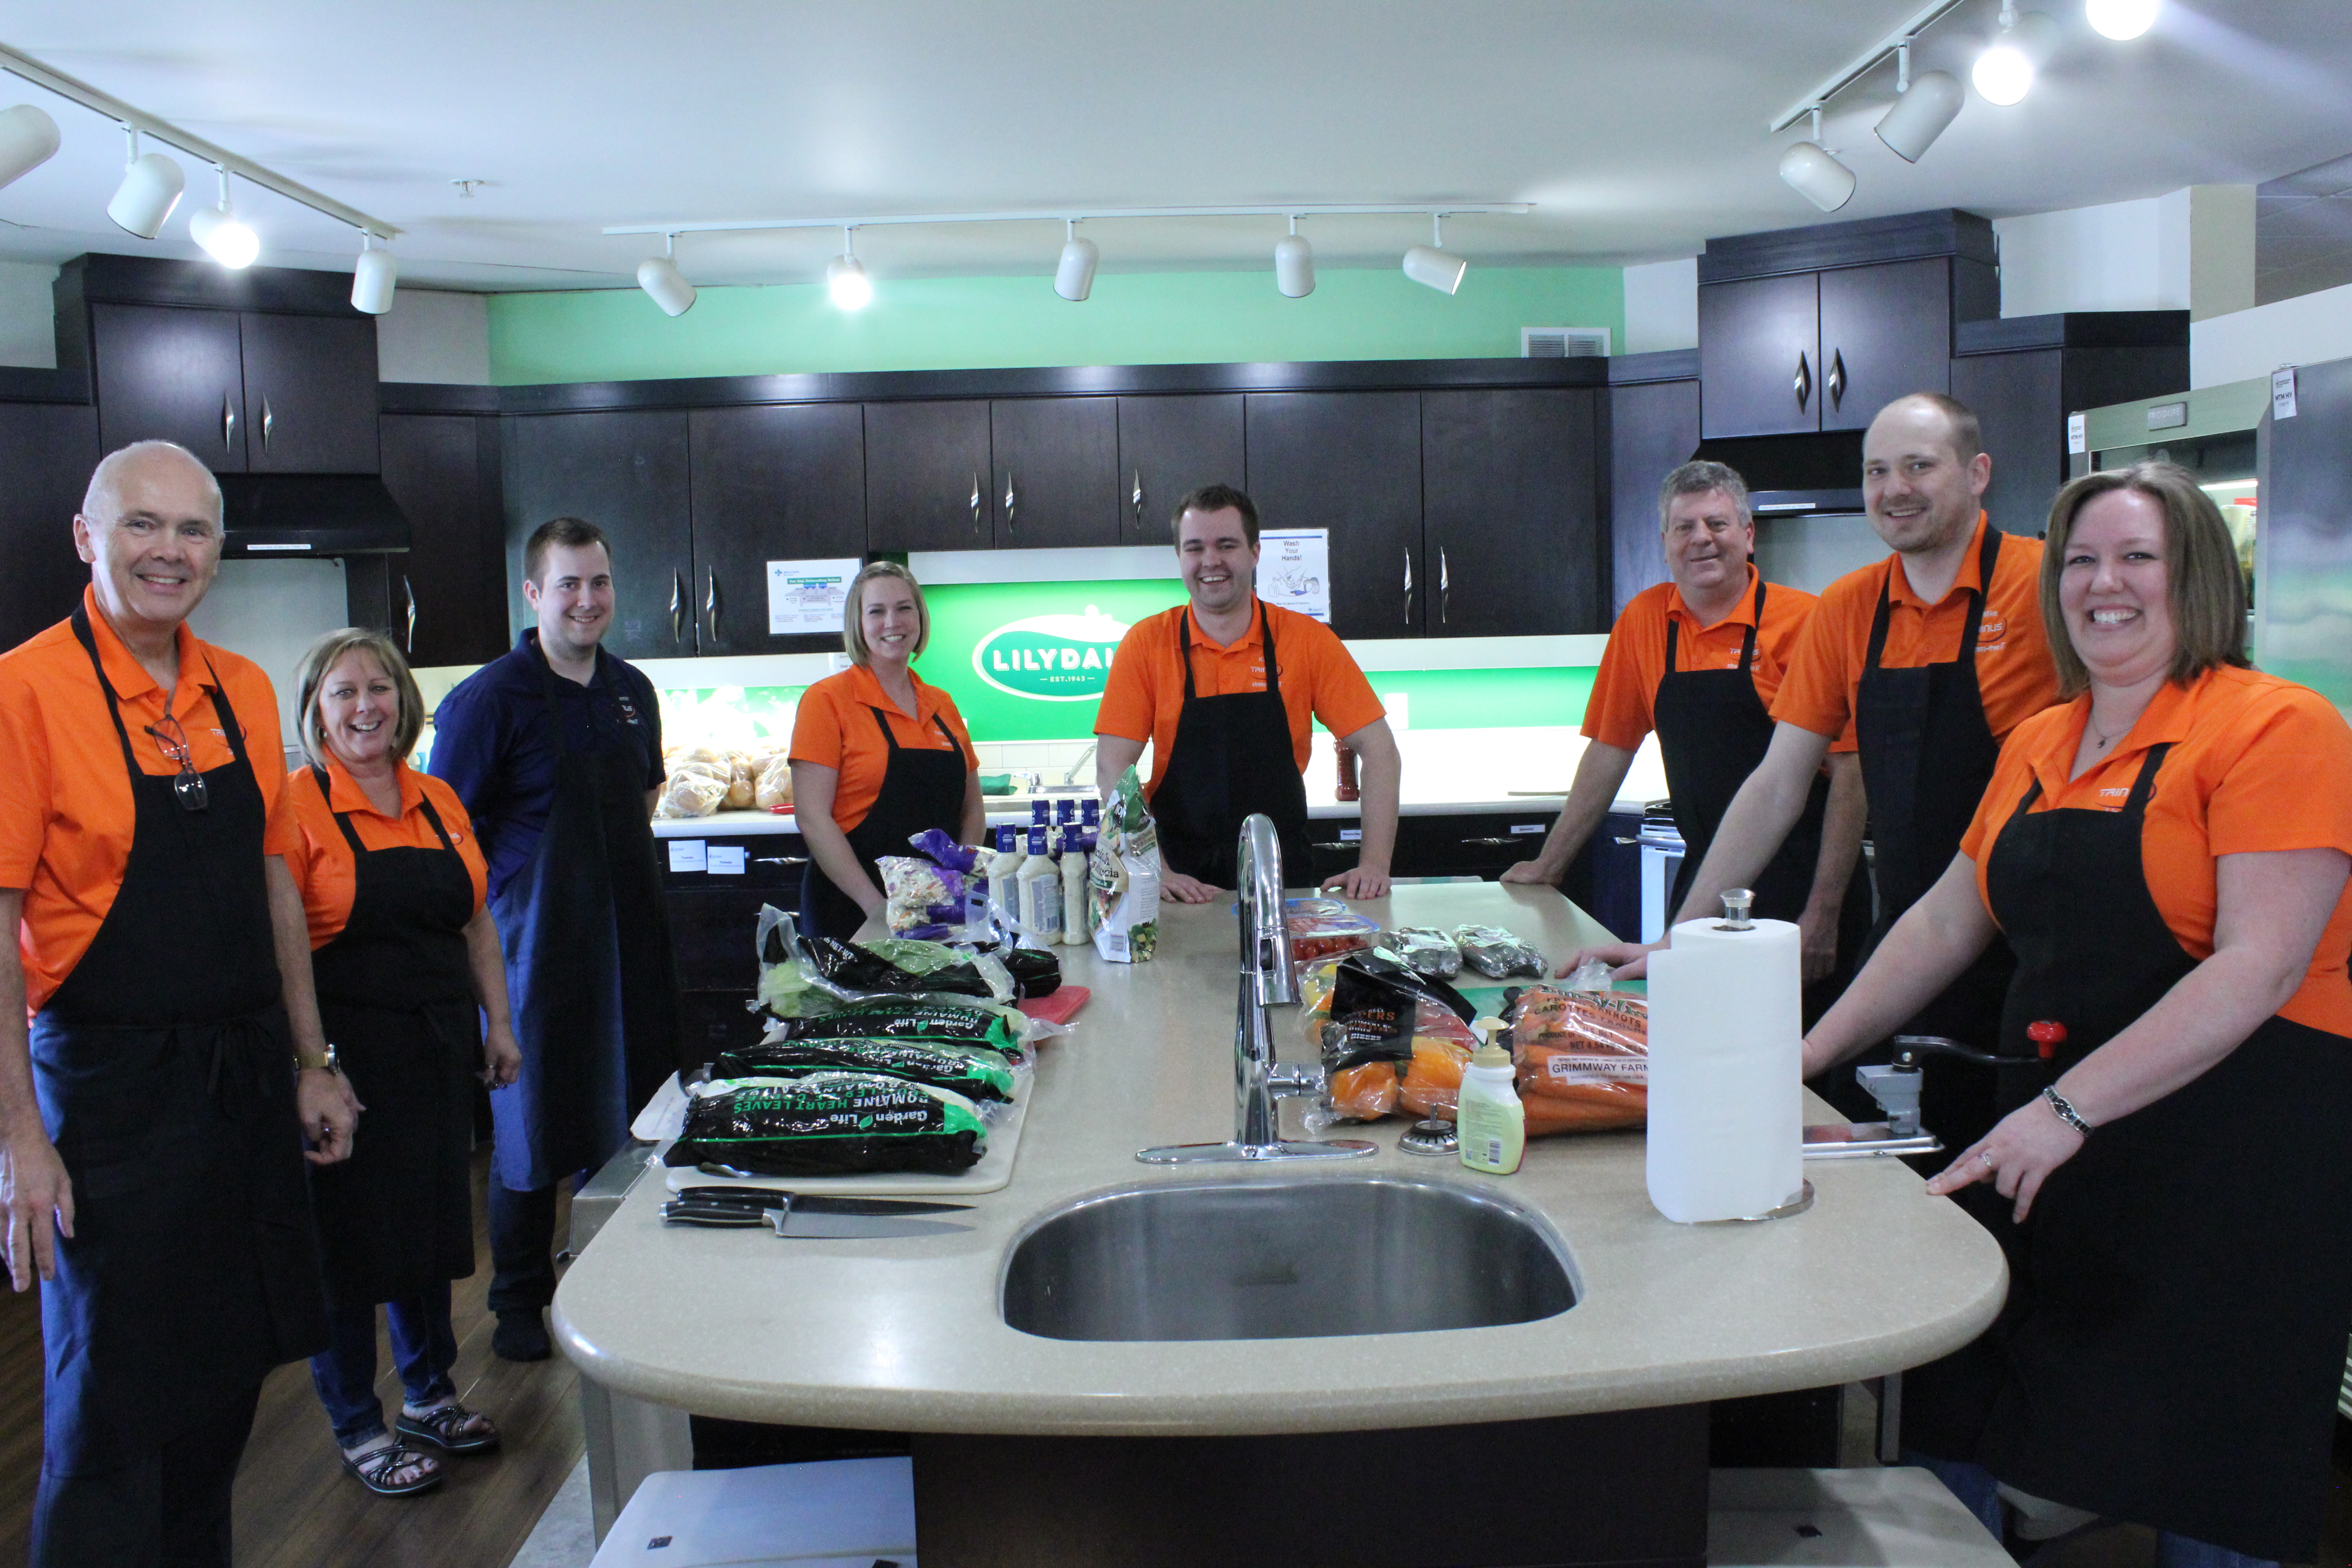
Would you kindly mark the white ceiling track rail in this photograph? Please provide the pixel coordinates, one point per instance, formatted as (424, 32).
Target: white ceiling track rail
(1862, 64)
(1083, 215)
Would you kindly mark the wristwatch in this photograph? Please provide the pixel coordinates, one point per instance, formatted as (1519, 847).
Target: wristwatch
(332, 1061)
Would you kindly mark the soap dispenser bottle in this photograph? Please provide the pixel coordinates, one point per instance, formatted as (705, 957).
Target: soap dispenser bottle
(1490, 1121)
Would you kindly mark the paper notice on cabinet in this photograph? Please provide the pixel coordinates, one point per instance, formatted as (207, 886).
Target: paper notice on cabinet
(1294, 570)
(687, 854)
(725, 860)
(806, 597)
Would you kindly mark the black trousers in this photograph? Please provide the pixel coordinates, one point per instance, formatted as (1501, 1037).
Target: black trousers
(168, 1509)
(522, 1246)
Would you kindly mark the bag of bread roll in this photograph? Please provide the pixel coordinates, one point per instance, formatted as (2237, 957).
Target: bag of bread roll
(774, 787)
(691, 794)
(743, 785)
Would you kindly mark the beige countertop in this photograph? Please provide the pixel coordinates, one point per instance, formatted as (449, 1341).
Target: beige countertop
(904, 1334)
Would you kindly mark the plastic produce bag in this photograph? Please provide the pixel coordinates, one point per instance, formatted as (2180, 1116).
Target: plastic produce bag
(1388, 1045)
(1006, 1030)
(1496, 953)
(743, 783)
(919, 895)
(774, 787)
(1429, 951)
(829, 1124)
(690, 792)
(1583, 1059)
(977, 1073)
(1123, 878)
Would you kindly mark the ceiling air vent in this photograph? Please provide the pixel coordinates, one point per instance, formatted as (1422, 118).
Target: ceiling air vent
(1563, 342)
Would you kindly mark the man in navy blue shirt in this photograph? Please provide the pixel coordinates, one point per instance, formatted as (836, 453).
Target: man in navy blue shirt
(556, 751)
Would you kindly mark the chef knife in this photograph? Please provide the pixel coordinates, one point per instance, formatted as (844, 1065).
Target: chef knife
(811, 1219)
(815, 1203)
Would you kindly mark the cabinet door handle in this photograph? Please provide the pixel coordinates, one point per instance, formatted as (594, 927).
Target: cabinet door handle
(228, 421)
(267, 420)
(1408, 585)
(1137, 498)
(1835, 382)
(975, 501)
(408, 593)
(710, 607)
(1802, 382)
(1008, 500)
(677, 606)
(1444, 587)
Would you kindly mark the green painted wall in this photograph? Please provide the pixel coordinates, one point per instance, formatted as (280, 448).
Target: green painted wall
(959, 323)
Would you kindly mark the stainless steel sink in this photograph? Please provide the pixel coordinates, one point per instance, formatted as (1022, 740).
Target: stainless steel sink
(1282, 1259)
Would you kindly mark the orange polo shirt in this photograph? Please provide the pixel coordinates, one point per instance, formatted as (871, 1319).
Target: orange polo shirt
(2257, 765)
(2014, 676)
(1144, 693)
(66, 812)
(834, 726)
(1619, 712)
(322, 863)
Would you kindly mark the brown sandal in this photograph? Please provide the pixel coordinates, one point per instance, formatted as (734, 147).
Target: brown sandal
(450, 1427)
(376, 1468)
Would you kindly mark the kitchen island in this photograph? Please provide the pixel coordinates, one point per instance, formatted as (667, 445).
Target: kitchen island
(906, 1335)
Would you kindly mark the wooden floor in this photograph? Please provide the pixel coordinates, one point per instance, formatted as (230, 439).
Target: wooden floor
(295, 1506)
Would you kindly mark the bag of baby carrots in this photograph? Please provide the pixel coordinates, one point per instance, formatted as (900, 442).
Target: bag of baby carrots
(1584, 1059)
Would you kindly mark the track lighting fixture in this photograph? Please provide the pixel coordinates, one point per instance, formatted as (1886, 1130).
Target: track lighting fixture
(1294, 263)
(1074, 279)
(28, 138)
(224, 238)
(151, 189)
(1925, 107)
(1432, 265)
(373, 279)
(658, 275)
(1810, 171)
(2004, 72)
(846, 279)
(2121, 20)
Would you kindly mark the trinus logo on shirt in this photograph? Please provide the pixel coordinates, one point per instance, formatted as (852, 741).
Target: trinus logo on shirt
(1050, 659)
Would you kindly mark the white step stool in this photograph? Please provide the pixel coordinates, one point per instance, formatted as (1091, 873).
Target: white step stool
(1895, 1518)
(833, 1514)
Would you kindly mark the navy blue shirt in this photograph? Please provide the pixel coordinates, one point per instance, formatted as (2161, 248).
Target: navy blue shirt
(491, 742)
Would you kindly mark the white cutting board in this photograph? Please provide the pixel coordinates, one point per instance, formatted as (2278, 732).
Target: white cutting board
(994, 1170)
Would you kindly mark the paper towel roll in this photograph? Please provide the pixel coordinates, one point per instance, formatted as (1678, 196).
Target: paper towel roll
(1727, 1106)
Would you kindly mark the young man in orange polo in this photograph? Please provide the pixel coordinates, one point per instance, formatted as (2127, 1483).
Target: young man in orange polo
(1224, 688)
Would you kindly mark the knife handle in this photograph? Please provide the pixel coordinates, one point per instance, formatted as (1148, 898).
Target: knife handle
(676, 1213)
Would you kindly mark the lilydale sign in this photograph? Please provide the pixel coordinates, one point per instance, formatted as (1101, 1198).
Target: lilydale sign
(1051, 658)
(1027, 662)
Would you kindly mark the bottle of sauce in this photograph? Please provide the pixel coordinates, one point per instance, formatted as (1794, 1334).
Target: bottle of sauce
(1347, 790)
(1074, 886)
(1003, 881)
(1041, 893)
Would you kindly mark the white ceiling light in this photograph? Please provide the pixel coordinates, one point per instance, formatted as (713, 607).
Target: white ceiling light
(1432, 265)
(1074, 279)
(1929, 104)
(373, 279)
(28, 138)
(151, 189)
(2121, 20)
(2004, 72)
(847, 281)
(1809, 170)
(1294, 265)
(658, 275)
(224, 238)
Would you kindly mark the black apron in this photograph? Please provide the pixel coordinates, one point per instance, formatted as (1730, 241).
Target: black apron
(919, 790)
(591, 979)
(164, 1072)
(2180, 1296)
(1713, 729)
(396, 996)
(1232, 759)
(1926, 756)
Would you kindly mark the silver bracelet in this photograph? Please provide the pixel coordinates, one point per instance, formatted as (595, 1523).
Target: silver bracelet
(2066, 1112)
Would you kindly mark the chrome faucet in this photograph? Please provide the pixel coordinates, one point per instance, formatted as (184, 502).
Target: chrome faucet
(1267, 980)
(1084, 758)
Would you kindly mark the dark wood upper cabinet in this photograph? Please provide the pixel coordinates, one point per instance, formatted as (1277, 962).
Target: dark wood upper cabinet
(1653, 430)
(171, 374)
(1168, 448)
(1056, 468)
(626, 471)
(47, 451)
(1512, 544)
(1759, 356)
(310, 394)
(1886, 331)
(927, 473)
(1348, 462)
(447, 593)
(781, 482)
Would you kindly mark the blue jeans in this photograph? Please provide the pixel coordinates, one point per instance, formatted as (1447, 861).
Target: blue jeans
(424, 1346)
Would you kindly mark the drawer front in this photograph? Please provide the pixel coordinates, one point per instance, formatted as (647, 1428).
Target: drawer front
(1483, 845)
(771, 861)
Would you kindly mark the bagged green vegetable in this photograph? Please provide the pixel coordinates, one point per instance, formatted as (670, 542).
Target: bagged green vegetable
(830, 1124)
(894, 1019)
(973, 1071)
(1123, 877)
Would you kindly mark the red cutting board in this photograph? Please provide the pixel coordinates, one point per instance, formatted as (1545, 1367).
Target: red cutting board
(1060, 1007)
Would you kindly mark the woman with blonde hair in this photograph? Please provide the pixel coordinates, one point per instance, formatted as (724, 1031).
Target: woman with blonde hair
(2167, 853)
(407, 967)
(877, 755)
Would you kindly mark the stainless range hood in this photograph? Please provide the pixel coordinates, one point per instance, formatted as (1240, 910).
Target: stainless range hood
(1795, 475)
(306, 516)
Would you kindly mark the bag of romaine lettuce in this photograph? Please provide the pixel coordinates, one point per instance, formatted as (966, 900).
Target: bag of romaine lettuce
(829, 1124)
(975, 1072)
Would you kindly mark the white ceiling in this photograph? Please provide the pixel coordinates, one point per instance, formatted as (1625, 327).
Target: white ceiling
(1636, 127)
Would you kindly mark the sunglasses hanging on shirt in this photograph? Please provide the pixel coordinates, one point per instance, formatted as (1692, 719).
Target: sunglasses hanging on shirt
(188, 787)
